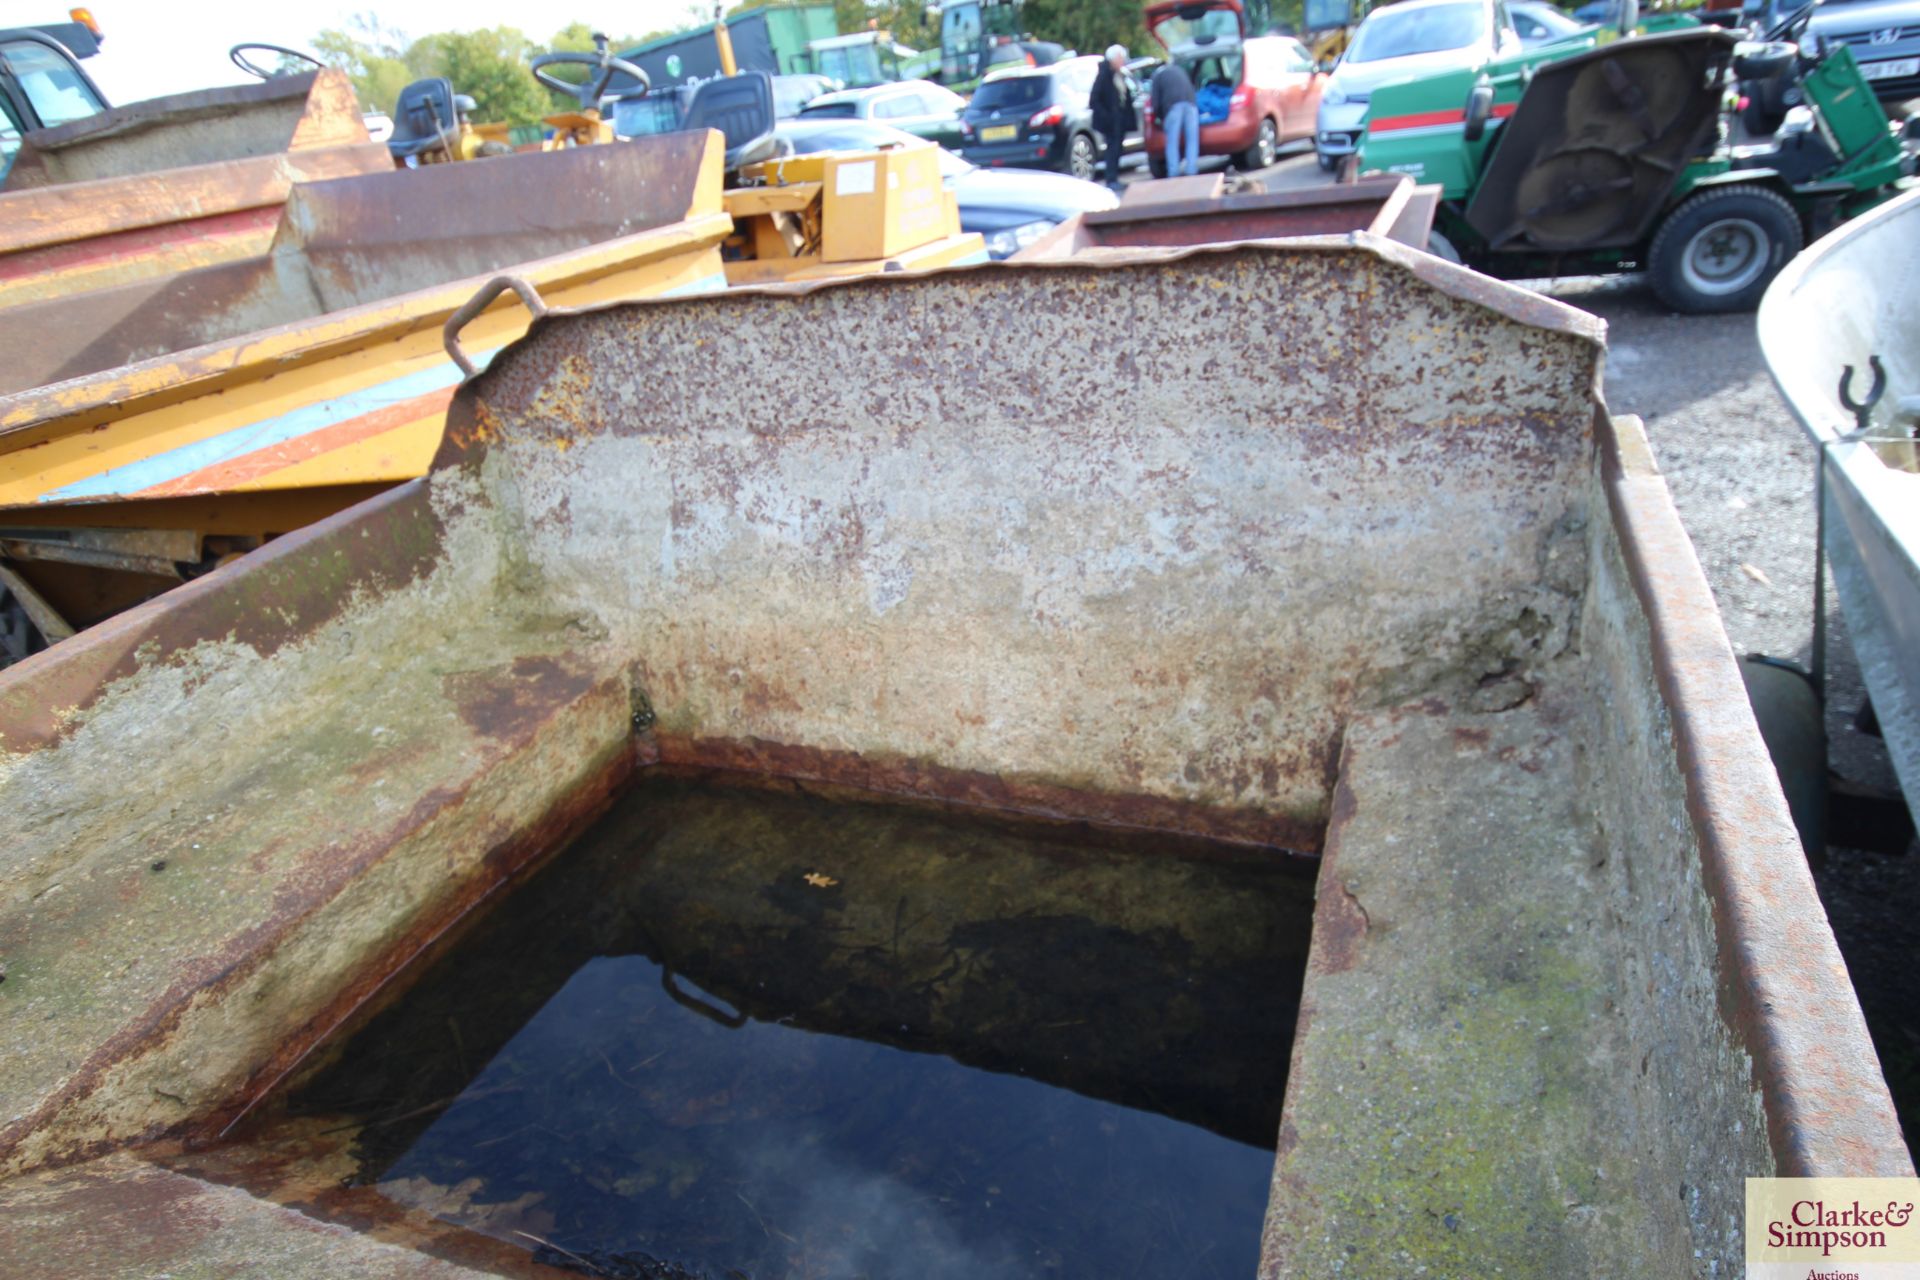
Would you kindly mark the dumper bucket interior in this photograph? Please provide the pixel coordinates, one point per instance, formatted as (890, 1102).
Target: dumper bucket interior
(1592, 152)
(286, 113)
(352, 241)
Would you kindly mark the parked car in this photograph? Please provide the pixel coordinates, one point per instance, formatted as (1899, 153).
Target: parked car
(1884, 36)
(1411, 38)
(1010, 209)
(1540, 23)
(1254, 93)
(791, 94)
(920, 107)
(1034, 118)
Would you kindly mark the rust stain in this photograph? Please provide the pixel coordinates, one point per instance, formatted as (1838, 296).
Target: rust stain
(510, 701)
(1256, 830)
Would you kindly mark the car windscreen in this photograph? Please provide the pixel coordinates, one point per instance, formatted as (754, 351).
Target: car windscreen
(1014, 92)
(1209, 26)
(831, 111)
(1402, 33)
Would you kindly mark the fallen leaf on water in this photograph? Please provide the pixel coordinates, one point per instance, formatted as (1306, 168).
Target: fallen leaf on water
(1758, 574)
(819, 881)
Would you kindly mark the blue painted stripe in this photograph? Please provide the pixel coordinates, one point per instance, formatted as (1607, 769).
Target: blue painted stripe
(171, 464)
(705, 284)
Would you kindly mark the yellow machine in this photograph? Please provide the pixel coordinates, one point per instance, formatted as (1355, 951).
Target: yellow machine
(844, 213)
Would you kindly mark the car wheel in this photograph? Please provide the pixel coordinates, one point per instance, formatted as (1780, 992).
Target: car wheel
(1263, 150)
(1157, 164)
(1721, 249)
(1080, 156)
(1327, 163)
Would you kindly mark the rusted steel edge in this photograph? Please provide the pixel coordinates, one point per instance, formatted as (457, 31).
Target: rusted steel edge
(498, 871)
(1522, 305)
(1257, 833)
(100, 207)
(1374, 189)
(149, 384)
(155, 112)
(1784, 987)
(260, 600)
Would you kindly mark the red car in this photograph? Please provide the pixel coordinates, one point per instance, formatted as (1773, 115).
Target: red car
(1254, 93)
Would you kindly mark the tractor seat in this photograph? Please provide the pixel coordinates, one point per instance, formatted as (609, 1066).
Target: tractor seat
(741, 108)
(424, 118)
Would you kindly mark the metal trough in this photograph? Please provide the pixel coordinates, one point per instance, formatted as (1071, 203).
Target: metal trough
(1412, 604)
(1390, 206)
(163, 186)
(1839, 317)
(158, 426)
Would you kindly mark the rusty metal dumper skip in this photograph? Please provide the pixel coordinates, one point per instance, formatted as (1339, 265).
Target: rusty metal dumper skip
(1399, 595)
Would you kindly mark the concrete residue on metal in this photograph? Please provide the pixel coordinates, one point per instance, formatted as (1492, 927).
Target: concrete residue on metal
(1015, 561)
(1461, 1099)
(1125, 565)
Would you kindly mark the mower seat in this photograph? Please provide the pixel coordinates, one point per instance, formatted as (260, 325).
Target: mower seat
(424, 118)
(741, 108)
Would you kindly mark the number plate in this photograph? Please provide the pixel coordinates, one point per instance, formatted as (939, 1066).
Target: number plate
(1890, 70)
(1000, 133)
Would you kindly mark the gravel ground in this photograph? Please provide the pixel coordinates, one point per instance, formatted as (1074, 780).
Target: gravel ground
(1742, 476)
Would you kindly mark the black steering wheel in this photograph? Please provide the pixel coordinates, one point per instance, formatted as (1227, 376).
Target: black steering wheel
(602, 68)
(239, 55)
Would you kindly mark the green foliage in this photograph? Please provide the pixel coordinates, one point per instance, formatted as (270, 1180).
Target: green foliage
(490, 65)
(1089, 26)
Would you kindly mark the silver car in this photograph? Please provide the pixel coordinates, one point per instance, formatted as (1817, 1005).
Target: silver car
(1400, 41)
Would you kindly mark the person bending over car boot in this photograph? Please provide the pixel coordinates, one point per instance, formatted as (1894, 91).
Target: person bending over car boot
(1173, 106)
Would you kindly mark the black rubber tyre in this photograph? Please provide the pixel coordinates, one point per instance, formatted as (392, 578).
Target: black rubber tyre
(1157, 164)
(1082, 157)
(1327, 163)
(1758, 121)
(1721, 249)
(1440, 247)
(1266, 145)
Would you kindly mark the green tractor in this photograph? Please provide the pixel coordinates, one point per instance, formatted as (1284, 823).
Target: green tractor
(1620, 157)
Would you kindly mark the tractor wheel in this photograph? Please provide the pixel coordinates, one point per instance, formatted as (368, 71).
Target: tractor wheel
(1157, 164)
(1080, 156)
(1263, 150)
(1721, 249)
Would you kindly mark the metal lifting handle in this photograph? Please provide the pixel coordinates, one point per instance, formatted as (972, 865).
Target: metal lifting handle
(479, 302)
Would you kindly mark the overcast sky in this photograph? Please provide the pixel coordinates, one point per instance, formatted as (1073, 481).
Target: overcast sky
(167, 46)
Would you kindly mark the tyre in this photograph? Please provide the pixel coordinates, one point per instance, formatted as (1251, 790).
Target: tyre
(1760, 122)
(1265, 146)
(1157, 164)
(1441, 247)
(1721, 249)
(1327, 163)
(1081, 156)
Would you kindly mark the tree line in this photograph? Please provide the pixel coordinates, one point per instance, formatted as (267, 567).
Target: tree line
(491, 65)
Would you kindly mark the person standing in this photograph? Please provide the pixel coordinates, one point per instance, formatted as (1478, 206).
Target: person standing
(1179, 116)
(1112, 105)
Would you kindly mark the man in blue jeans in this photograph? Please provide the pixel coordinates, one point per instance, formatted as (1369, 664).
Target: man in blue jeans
(1173, 107)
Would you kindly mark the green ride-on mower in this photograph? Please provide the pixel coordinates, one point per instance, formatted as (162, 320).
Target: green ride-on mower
(1622, 158)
